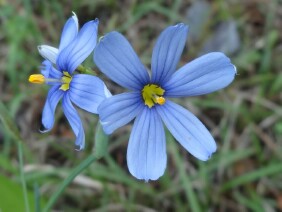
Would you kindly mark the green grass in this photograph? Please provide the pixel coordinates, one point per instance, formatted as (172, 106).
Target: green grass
(38, 171)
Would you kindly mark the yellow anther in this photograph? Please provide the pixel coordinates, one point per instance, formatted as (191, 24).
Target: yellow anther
(36, 78)
(153, 94)
(160, 100)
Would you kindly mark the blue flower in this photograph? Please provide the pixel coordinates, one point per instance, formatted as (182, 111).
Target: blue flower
(85, 91)
(148, 101)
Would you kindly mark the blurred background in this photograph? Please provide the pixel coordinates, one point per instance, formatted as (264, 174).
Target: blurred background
(245, 174)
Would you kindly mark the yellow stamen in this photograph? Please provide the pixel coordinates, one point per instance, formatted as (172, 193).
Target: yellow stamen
(36, 78)
(153, 94)
(66, 79)
(160, 100)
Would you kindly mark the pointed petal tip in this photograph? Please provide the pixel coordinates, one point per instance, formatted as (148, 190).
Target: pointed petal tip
(80, 142)
(48, 52)
(43, 129)
(102, 38)
(79, 148)
(206, 158)
(209, 151)
(182, 25)
(74, 17)
(209, 154)
(235, 69)
(146, 178)
(74, 14)
(224, 58)
(96, 20)
(167, 52)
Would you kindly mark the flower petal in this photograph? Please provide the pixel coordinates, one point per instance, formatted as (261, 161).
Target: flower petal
(146, 153)
(203, 75)
(53, 97)
(115, 58)
(87, 92)
(48, 71)
(119, 110)
(48, 52)
(69, 32)
(167, 52)
(188, 130)
(74, 120)
(80, 48)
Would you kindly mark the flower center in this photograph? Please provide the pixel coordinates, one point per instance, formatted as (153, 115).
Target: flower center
(66, 79)
(153, 94)
(40, 79)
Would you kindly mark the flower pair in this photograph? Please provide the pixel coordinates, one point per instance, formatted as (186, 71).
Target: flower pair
(148, 98)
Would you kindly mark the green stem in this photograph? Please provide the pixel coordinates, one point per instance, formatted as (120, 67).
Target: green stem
(85, 70)
(20, 152)
(76, 171)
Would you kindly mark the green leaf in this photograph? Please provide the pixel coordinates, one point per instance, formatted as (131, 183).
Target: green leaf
(12, 196)
(101, 142)
(13, 130)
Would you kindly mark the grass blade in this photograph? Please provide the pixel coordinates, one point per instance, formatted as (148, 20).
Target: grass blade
(252, 176)
(76, 171)
(190, 194)
(20, 153)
